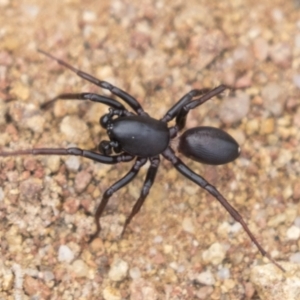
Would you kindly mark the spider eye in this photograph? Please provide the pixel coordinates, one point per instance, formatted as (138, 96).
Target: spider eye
(209, 145)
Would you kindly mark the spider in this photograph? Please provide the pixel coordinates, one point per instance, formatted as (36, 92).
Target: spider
(141, 137)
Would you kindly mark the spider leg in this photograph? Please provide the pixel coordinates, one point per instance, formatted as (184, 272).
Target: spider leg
(175, 109)
(131, 101)
(187, 172)
(116, 186)
(72, 151)
(182, 113)
(150, 177)
(85, 96)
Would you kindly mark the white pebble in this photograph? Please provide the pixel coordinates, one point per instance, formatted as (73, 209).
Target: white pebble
(224, 273)
(134, 273)
(295, 258)
(65, 254)
(73, 163)
(293, 233)
(118, 270)
(206, 278)
(214, 254)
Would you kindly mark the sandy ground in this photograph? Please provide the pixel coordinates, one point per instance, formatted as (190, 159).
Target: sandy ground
(182, 244)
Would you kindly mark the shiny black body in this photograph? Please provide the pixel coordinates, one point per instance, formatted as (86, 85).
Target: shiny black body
(140, 137)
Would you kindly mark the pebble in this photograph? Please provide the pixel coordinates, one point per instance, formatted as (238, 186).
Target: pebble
(20, 90)
(75, 129)
(206, 278)
(141, 289)
(187, 225)
(73, 163)
(281, 54)
(65, 254)
(223, 273)
(118, 270)
(135, 273)
(214, 254)
(233, 109)
(295, 258)
(53, 162)
(261, 48)
(273, 98)
(36, 288)
(297, 221)
(80, 268)
(271, 283)
(296, 80)
(111, 293)
(35, 123)
(82, 180)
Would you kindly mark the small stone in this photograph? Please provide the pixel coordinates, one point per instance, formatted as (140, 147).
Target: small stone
(206, 278)
(30, 187)
(233, 109)
(135, 273)
(89, 16)
(187, 225)
(267, 126)
(73, 163)
(53, 163)
(281, 54)
(295, 258)
(7, 277)
(35, 123)
(65, 254)
(271, 283)
(141, 289)
(223, 273)
(20, 90)
(75, 129)
(273, 98)
(71, 205)
(261, 48)
(293, 233)
(82, 179)
(34, 287)
(296, 80)
(111, 293)
(80, 268)
(214, 254)
(118, 270)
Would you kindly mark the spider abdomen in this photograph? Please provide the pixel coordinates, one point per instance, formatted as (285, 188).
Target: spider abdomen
(209, 145)
(140, 136)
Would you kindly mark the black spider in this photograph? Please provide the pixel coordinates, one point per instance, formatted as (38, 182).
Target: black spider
(144, 138)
